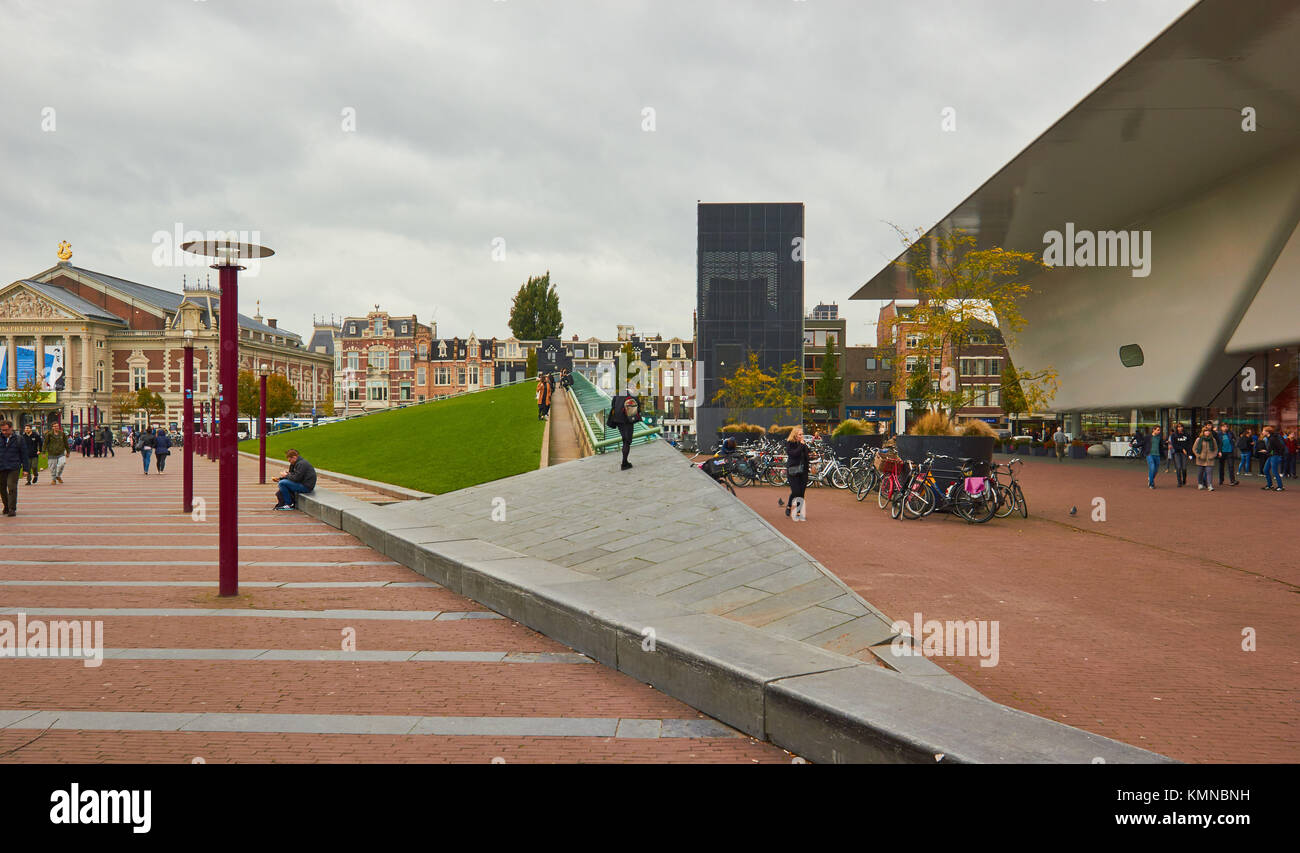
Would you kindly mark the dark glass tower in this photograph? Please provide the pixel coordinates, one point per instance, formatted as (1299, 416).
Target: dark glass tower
(749, 293)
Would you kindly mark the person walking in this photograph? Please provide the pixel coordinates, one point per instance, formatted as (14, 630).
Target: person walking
(162, 448)
(1245, 449)
(298, 478)
(1292, 446)
(624, 414)
(1227, 454)
(56, 451)
(1152, 445)
(33, 440)
(1060, 441)
(145, 447)
(543, 398)
(13, 458)
(1275, 447)
(1181, 445)
(1205, 450)
(107, 442)
(796, 471)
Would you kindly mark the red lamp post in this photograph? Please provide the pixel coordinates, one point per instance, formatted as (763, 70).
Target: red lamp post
(261, 426)
(187, 430)
(203, 427)
(212, 425)
(228, 255)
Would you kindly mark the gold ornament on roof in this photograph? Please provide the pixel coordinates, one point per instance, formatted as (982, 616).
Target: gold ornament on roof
(65, 250)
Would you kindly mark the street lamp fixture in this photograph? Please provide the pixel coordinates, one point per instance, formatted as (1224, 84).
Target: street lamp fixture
(228, 254)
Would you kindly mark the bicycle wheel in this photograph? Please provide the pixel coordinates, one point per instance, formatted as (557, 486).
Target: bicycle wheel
(1006, 501)
(917, 501)
(1021, 504)
(839, 479)
(979, 508)
(885, 494)
(896, 505)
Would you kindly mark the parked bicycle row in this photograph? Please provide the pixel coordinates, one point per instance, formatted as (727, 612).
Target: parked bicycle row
(973, 489)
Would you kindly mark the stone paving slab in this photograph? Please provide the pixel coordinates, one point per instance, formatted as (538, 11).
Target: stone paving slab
(755, 601)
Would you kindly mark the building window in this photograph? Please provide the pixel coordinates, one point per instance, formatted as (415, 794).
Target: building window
(886, 364)
(913, 341)
(406, 391)
(377, 390)
(138, 378)
(473, 350)
(855, 389)
(910, 364)
(354, 393)
(870, 390)
(460, 376)
(352, 328)
(473, 375)
(99, 377)
(424, 351)
(442, 349)
(871, 363)
(404, 327)
(677, 351)
(419, 376)
(379, 326)
(404, 360)
(353, 361)
(379, 359)
(442, 376)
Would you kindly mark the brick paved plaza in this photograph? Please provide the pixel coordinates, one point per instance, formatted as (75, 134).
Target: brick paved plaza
(1130, 628)
(434, 678)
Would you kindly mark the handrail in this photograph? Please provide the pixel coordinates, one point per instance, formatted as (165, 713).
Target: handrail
(593, 403)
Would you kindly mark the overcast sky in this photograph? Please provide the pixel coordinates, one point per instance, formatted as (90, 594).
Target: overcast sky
(521, 120)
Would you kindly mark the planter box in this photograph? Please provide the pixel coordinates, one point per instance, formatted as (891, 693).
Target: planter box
(847, 446)
(1040, 451)
(1077, 452)
(914, 447)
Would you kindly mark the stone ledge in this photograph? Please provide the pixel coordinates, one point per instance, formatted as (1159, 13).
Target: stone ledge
(822, 705)
(388, 489)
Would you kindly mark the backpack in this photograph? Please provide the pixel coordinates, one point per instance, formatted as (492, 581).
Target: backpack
(631, 409)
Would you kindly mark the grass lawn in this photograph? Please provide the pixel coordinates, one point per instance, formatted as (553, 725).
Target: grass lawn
(434, 447)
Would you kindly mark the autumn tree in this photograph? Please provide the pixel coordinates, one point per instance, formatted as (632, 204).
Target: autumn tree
(962, 288)
(281, 399)
(535, 311)
(124, 403)
(27, 396)
(750, 387)
(151, 403)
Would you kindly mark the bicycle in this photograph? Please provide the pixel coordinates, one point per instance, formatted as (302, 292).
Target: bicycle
(970, 496)
(891, 472)
(1010, 496)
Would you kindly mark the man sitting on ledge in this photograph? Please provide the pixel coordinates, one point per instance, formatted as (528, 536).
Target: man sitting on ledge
(300, 477)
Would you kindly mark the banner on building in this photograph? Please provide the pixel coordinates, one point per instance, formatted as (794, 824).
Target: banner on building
(25, 364)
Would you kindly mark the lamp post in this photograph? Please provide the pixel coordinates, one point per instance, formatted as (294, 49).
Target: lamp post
(261, 425)
(228, 254)
(187, 431)
(203, 425)
(212, 427)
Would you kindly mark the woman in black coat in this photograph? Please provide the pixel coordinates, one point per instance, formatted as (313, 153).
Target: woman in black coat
(796, 468)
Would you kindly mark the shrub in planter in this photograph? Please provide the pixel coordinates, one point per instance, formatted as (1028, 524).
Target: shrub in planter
(780, 433)
(975, 427)
(932, 423)
(852, 426)
(1078, 449)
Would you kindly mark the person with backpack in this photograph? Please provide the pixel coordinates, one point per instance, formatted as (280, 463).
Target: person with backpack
(1262, 450)
(162, 448)
(56, 450)
(1152, 445)
(1227, 453)
(145, 446)
(1205, 450)
(624, 413)
(1292, 448)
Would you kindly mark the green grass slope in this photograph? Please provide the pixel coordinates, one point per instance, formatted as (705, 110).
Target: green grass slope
(435, 447)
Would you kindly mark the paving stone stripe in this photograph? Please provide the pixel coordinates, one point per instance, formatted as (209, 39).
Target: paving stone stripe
(149, 721)
(258, 584)
(319, 655)
(394, 615)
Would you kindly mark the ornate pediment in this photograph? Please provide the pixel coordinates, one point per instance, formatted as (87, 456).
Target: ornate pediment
(23, 304)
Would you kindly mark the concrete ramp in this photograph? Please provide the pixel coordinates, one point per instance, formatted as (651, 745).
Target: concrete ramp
(660, 573)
